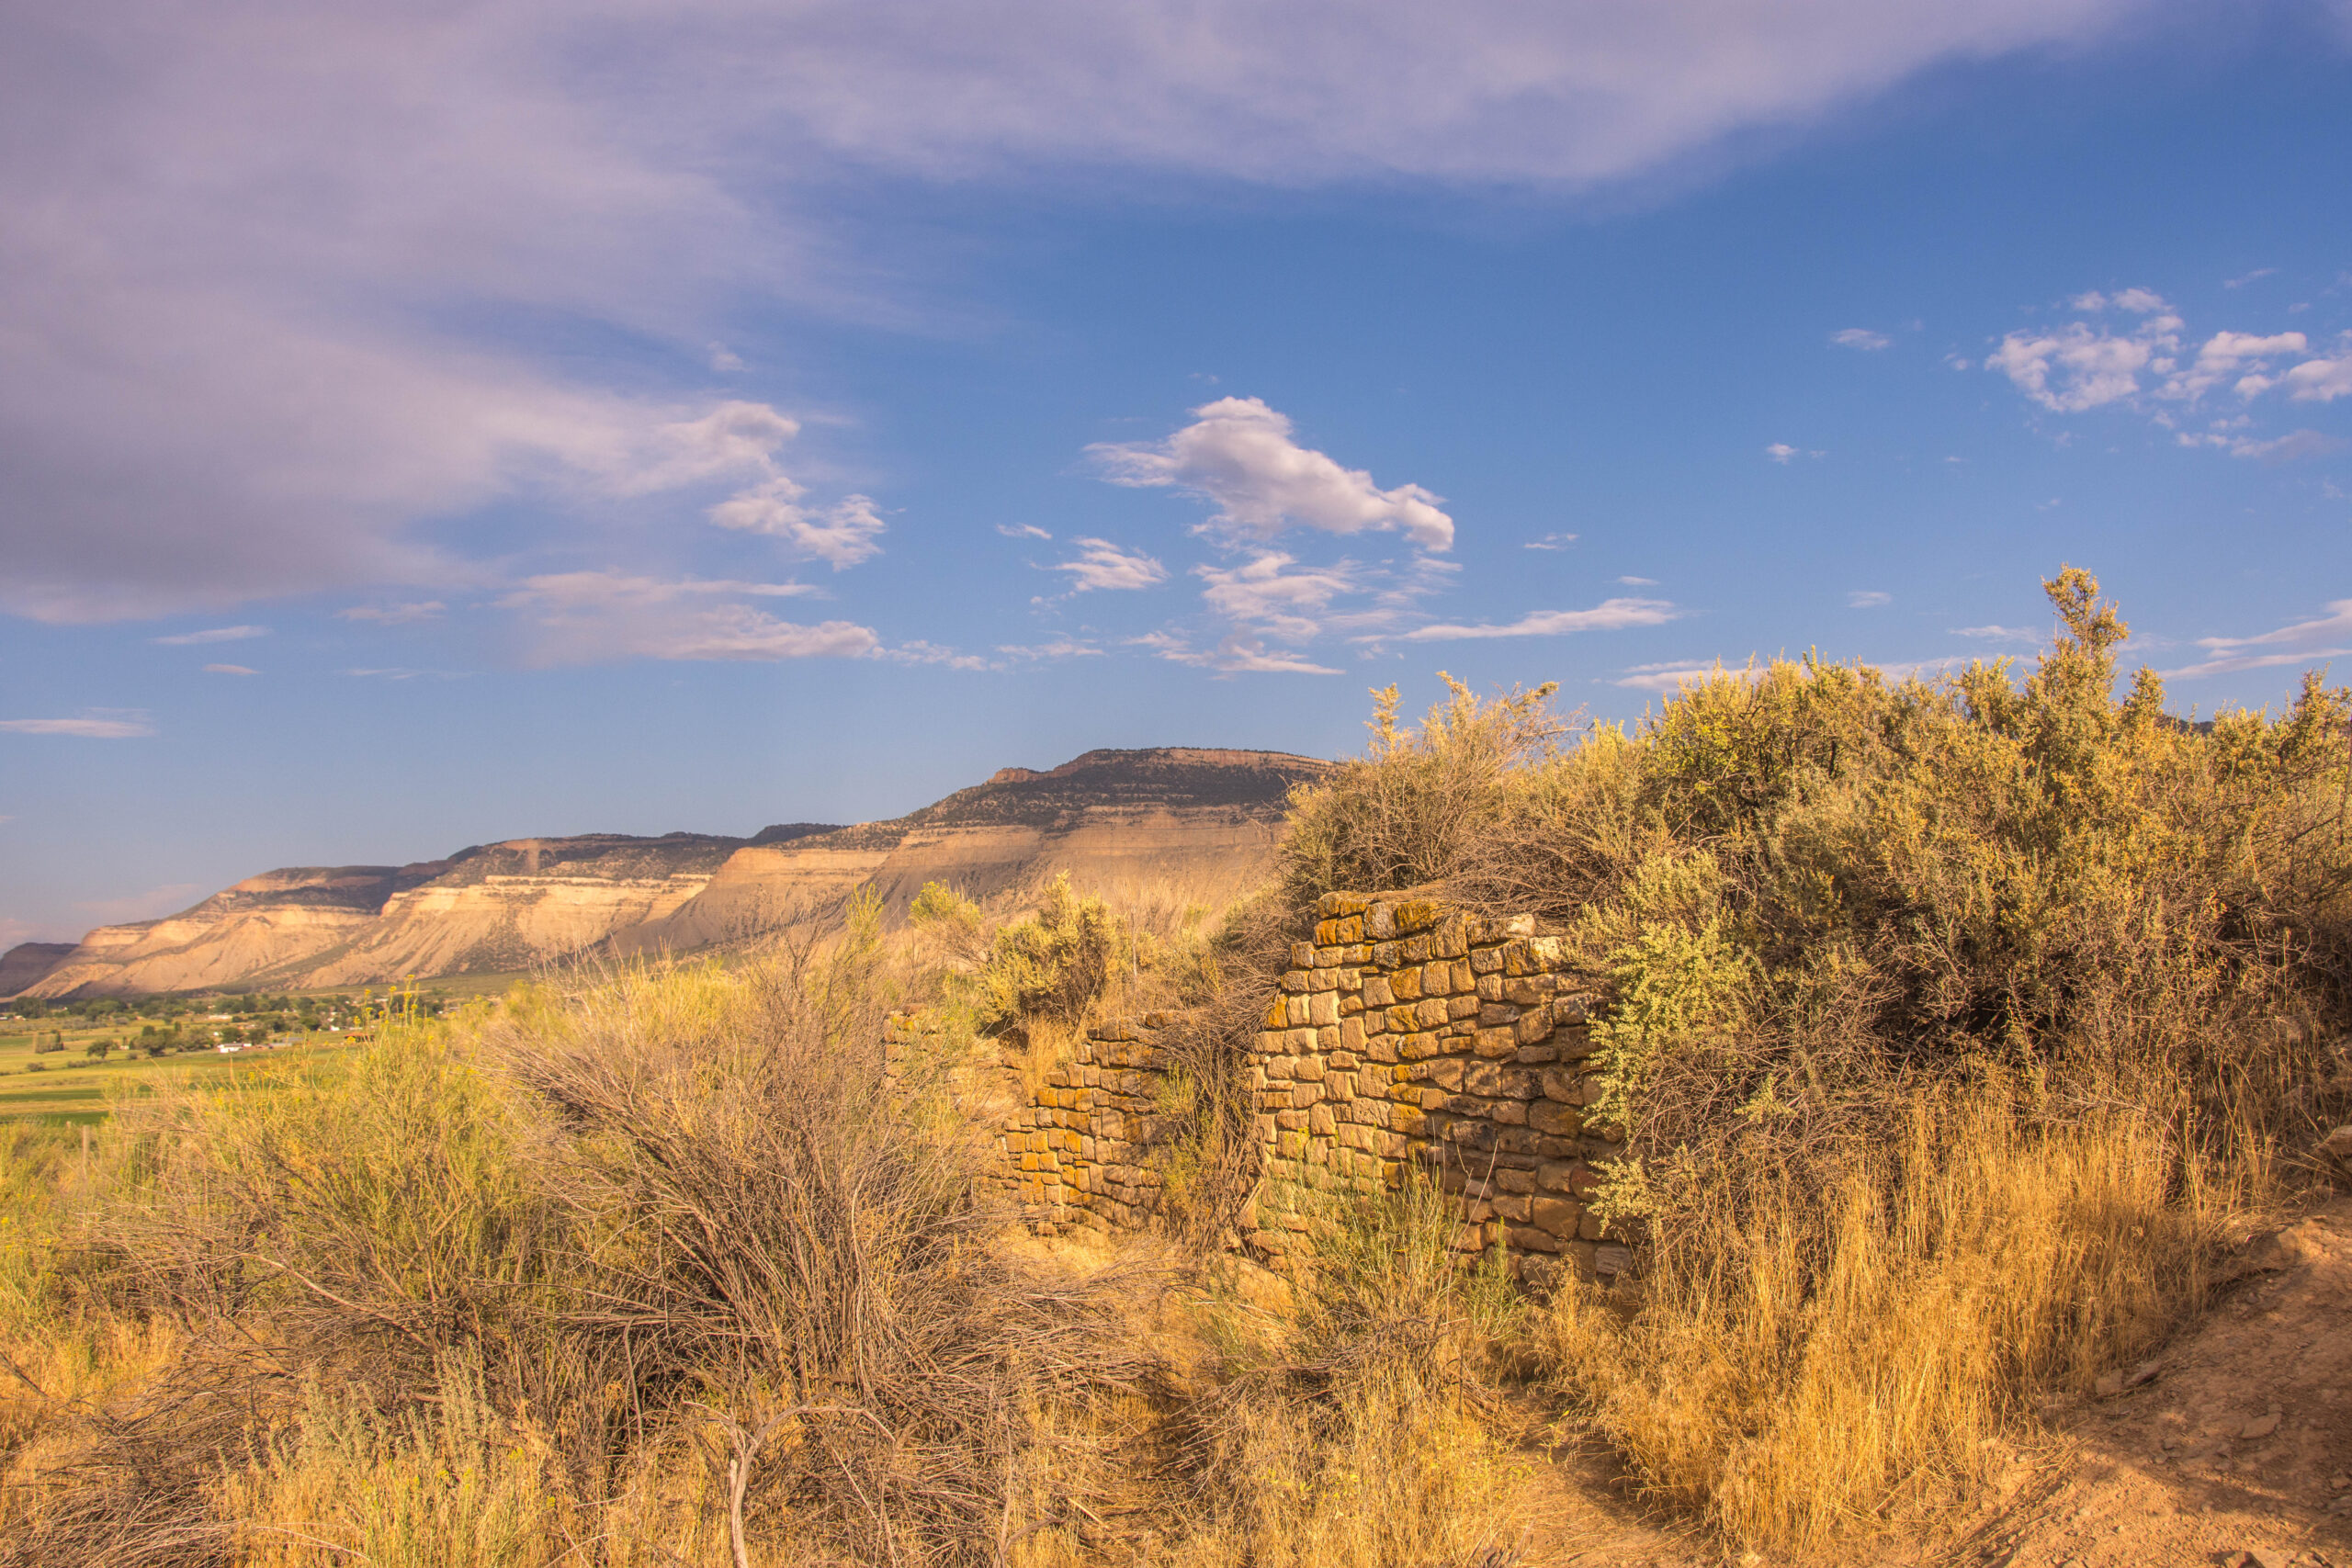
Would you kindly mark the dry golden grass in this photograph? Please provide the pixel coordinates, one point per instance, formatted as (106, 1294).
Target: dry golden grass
(1793, 1379)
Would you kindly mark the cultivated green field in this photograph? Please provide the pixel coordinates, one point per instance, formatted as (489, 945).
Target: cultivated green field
(76, 1089)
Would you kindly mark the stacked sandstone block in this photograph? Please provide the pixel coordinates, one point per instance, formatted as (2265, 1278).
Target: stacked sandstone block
(1406, 1035)
(1078, 1151)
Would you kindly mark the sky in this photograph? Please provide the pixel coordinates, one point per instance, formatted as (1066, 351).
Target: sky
(426, 424)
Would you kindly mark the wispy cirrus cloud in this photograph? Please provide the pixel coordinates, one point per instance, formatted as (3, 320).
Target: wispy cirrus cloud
(396, 614)
(215, 633)
(1610, 615)
(585, 617)
(230, 670)
(1860, 337)
(1102, 566)
(2324, 636)
(101, 724)
(1868, 599)
(1998, 633)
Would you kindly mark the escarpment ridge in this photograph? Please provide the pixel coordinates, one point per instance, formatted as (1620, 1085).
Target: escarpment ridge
(1190, 825)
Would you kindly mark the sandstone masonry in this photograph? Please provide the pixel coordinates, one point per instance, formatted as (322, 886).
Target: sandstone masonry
(1406, 1035)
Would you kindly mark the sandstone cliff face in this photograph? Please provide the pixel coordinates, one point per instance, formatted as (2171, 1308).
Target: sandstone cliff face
(1170, 824)
(489, 907)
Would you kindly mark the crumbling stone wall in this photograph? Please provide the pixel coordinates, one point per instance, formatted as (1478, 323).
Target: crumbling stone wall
(1409, 1035)
(1406, 1035)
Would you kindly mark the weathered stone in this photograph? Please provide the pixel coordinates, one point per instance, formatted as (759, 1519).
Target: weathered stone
(1320, 1122)
(1383, 955)
(1496, 1043)
(1310, 1068)
(1565, 1085)
(1413, 949)
(1323, 1008)
(1462, 1009)
(1492, 1015)
(1380, 922)
(1507, 1112)
(1377, 992)
(1521, 1181)
(1551, 1117)
(1520, 1083)
(1429, 1012)
(1528, 1238)
(1557, 1215)
(1535, 1025)
(1324, 980)
(1351, 1033)
(1294, 979)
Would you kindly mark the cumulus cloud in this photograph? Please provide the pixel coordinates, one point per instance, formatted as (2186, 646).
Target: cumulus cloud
(1610, 615)
(1103, 565)
(1862, 338)
(216, 634)
(102, 724)
(396, 614)
(1238, 453)
(1780, 451)
(2328, 636)
(592, 616)
(230, 670)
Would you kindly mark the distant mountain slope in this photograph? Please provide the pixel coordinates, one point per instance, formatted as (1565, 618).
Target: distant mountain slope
(28, 962)
(1169, 824)
(489, 907)
(1166, 824)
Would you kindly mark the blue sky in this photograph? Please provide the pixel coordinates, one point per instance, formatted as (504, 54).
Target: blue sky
(421, 430)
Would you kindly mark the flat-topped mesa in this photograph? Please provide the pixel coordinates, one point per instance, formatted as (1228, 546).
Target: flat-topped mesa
(1406, 1035)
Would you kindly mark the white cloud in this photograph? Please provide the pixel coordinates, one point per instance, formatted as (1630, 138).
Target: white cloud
(396, 614)
(230, 670)
(1868, 599)
(2240, 281)
(103, 725)
(1550, 542)
(2080, 366)
(217, 634)
(1236, 655)
(398, 672)
(1638, 582)
(2320, 380)
(1862, 338)
(1022, 531)
(1780, 451)
(1239, 455)
(724, 359)
(1610, 615)
(1997, 633)
(842, 534)
(1103, 565)
(1267, 596)
(2237, 357)
(589, 616)
(2324, 636)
